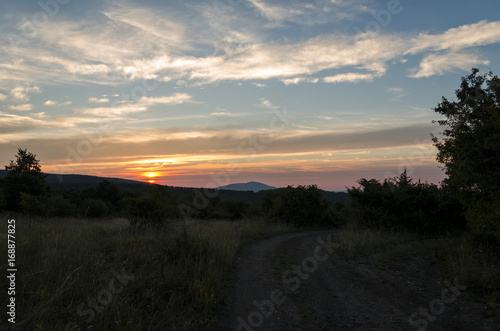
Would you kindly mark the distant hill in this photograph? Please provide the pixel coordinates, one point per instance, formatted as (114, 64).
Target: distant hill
(246, 192)
(250, 186)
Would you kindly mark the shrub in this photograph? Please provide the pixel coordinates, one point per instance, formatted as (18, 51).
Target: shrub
(400, 204)
(301, 205)
(153, 208)
(93, 208)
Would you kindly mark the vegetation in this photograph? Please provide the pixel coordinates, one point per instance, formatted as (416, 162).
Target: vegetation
(24, 176)
(175, 281)
(402, 205)
(302, 205)
(470, 152)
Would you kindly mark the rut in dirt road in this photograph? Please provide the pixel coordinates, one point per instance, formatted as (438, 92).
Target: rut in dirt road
(297, 282)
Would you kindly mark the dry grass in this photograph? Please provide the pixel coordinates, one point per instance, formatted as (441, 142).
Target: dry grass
(178, 272)
(478, 268)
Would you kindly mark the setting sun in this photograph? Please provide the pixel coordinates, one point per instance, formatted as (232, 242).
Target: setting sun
(151, 174)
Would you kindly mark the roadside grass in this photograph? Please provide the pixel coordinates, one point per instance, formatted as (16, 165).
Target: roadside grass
(106, 275)
(478, 268)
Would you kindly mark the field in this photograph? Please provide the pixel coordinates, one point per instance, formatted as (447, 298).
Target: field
(110, 276)
(107, 275)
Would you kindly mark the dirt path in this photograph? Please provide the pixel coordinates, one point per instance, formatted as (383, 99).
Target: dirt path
(296, 282)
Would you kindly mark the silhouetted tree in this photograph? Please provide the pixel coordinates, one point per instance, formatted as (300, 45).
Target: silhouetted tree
(24, 175)
(470, 151)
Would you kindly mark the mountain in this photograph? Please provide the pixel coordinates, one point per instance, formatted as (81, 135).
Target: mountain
(250, 186)
(252, 191)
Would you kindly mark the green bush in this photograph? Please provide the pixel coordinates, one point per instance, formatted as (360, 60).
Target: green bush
(93, 208)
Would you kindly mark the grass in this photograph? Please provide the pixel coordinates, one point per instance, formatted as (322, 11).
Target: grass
(107, 275)
(478, 268)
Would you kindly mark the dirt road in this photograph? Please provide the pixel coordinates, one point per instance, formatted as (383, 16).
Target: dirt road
(297, 282)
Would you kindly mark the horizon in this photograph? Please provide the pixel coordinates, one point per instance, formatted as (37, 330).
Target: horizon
(212, 93)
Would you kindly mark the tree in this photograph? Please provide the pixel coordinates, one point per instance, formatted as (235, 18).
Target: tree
(400, 204)
(301, 205)
(24, 175)
(470, 151)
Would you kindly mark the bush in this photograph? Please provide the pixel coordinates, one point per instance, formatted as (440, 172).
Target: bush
(301, 205)
(93, 208)
(400, 204)
(153, 208)
(46, 206)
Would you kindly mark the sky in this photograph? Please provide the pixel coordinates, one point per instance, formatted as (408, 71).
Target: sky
(208, 93)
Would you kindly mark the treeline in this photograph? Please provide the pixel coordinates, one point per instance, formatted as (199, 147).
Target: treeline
(396, 203)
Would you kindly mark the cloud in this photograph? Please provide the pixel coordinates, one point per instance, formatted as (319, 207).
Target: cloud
(2, 97)
(176, 99)
(438, 64)
(311, 13)
(349, 78)
(52, 103)
(397, 92)
(465, 36)
(12, 123)
(264, 103)
(129, 43)
(143, 104)
(275, 13)
(98, 100)
(298, 80)
(21, 107)
(21, 93)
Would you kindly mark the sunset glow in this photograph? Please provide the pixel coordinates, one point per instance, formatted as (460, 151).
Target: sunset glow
(282, 92)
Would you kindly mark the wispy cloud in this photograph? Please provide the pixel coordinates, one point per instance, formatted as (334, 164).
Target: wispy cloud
(298, 80)
(176, 99)
(349, 78)
(397, 93)
(125, 45)
(21, 107)
(311, 13)
(52, 103)
(116, 111)
(465, 36)
(98, 100)
(21, 93)
(264, 103)
(438, 64)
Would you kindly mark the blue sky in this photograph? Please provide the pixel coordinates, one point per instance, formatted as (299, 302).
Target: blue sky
(206, 93)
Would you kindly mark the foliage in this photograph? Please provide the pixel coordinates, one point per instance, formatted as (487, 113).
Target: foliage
(301, 205)
(93, 208)
(47, 205)
(153, 208)
(470, 151)
(400, 204)
(24, 176)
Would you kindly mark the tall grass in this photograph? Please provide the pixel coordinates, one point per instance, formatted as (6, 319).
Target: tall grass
(174, 274)
(455, 256)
